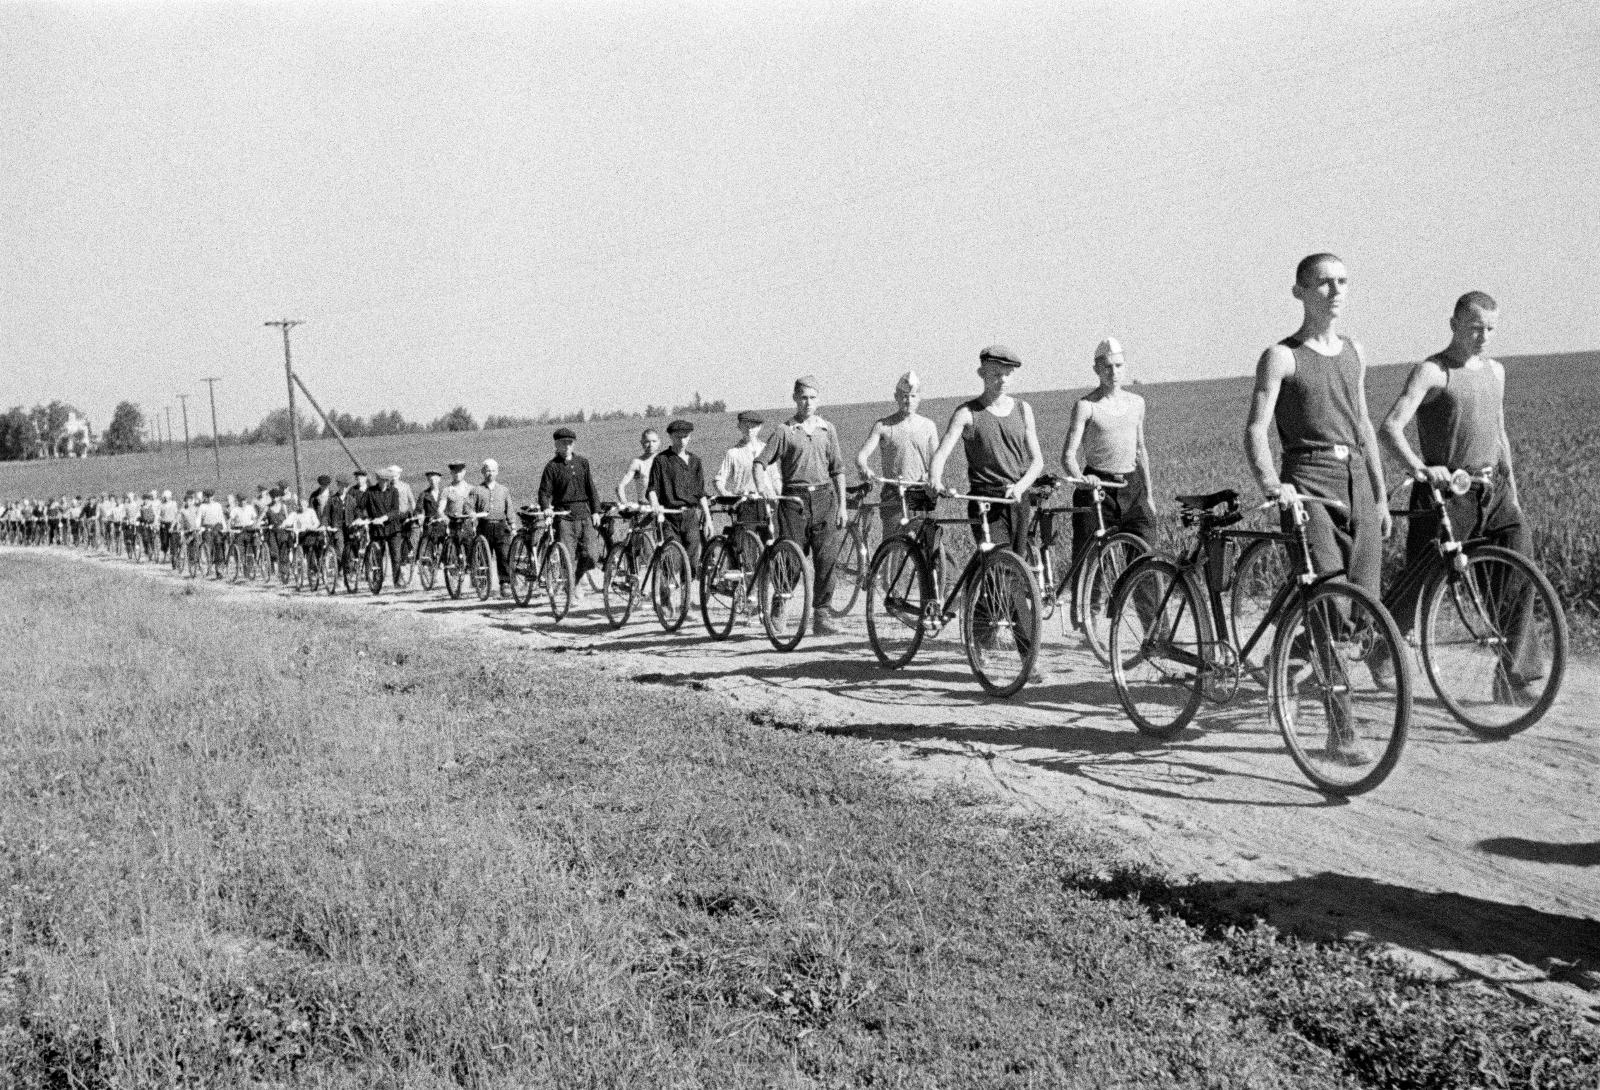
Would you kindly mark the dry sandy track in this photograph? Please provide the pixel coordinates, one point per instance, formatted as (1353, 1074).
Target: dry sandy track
(1479, 860)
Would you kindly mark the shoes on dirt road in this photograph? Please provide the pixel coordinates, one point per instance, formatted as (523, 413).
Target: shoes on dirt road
(824, 625)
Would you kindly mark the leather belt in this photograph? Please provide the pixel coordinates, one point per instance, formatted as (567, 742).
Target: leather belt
(1337, 451)
(804, 489)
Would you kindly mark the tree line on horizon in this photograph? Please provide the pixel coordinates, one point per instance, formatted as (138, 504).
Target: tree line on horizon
(21, 428)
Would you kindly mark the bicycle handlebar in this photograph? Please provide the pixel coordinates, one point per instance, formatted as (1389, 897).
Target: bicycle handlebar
(1002, 500)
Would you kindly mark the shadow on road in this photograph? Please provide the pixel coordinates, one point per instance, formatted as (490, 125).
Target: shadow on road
(1579, 854)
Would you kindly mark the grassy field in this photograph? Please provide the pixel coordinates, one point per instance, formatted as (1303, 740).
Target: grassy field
(274, 844)
(1553, 413)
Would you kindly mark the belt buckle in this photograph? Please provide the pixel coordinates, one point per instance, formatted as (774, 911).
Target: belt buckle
(1341, 452)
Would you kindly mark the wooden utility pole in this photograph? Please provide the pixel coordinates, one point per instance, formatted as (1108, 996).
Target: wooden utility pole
(169, 427)
(187, 460)
(216, 445)
(287, 324)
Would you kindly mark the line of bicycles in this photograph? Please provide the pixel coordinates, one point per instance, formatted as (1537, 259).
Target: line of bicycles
(1176, 632)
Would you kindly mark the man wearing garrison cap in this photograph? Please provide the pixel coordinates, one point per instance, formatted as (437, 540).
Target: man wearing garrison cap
(805, 450)
(567, 484)
(1105, 443)
(905, 441)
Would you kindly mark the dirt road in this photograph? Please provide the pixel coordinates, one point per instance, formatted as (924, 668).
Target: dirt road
(1478, 860)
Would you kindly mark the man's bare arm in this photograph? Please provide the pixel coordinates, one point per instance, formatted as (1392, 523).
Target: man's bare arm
(1274, 364)
(1369, 440)
(1425, 378)
(1035, 453)
(958, 424)
(1070, 448)
(868, 449)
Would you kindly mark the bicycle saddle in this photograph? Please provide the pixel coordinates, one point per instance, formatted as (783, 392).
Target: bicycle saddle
(1205, 501)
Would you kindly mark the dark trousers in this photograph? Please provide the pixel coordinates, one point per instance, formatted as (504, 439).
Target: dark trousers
(499, 535)
(1350, 540)
(580, 537)
(1483, 513)
(685, 529)
(1125, 509)
(810, 524)
(391, 545)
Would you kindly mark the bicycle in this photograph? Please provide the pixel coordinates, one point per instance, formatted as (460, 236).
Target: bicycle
(728, 569)
(459, 560)
(995, 596)
(626, 561)
(1489, 626)
(539, 559)
(1086, 585)
(430, 551)
(1174, 644)
(853, 552)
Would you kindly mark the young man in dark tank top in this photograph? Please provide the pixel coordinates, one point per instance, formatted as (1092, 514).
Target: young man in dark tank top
(1458, 399)
(1312, 386)
(1003, 455)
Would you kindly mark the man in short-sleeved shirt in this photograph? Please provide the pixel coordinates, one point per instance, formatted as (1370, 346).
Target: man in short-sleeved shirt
(805, 450)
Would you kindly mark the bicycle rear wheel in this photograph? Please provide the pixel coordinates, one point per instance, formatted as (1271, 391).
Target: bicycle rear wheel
(1097, 580)
(524, 571)
(1000, 623)
(556, 575)
(1157, 643)
(1494, 641)
(372, 566)
(620, 586)
(482, 567)
(1344, 729)
(669, 585)
(899, 587)
(1260, 572)
(850, 561)
(721, 588)
(783, 593)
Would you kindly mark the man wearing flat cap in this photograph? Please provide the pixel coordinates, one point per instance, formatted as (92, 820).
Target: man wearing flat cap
(381, 508)
(355, 507)
(1001, 442)
(805, 450)
(678, 481)
(741, 475)
(567, 484)
(430, 507)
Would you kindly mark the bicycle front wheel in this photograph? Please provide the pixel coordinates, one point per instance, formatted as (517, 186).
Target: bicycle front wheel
(1494, 641)
(783, 593)
(1341, 688)
(455, 568)
(669, 585)
(236, 564)
(524, 571)
(1097, 580)
(428, 563)
(721, 588)
(556, 575)
(1000, 623)
(899, 587)
(617, 592)
(482, 567)
(298, 566)
(1157, 643)
(850, 562)
(372, 566)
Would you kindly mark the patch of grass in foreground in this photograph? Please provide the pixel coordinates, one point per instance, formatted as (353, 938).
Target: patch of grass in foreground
(285, 844)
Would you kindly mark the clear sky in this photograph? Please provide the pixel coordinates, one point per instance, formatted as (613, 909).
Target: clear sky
(550, 206)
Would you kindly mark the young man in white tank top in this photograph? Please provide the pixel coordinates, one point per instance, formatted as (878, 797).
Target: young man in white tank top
(904, 441)
(1105, 443)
